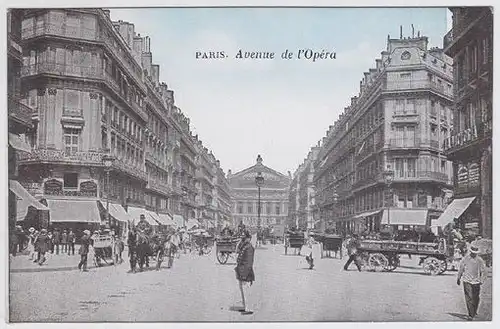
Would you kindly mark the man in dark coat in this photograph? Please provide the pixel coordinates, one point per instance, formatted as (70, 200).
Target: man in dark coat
(42, 246)
(64, 241)
(84, 250)
(244, 267)
(132, 248)
(57, 240)
(352, 251)
(71, 242)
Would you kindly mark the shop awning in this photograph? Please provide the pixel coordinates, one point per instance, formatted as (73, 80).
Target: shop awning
(454, 210)
(179, 220)
(154, 216)
(166, 219)
(367, 214)
(74, 211)
(24, 200)
(117, 212)
(405, 217)
(19, 143)
(192, 223)
(136, 213)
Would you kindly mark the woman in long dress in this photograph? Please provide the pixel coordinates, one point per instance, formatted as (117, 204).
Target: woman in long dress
(31, 243)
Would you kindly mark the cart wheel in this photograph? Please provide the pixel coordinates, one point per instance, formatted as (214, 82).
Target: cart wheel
(377, 262)
(444, 266)
(222, 257)
(434, 266)
(159, 259)
(393, 263)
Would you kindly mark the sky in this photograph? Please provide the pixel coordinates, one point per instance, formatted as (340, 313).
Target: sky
(276, 108)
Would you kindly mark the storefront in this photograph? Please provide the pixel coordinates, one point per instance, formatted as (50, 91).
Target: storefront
(25, 210)
(77, 215)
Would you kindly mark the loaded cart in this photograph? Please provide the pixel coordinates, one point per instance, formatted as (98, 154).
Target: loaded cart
(331, 243)
(294, 240)
(103, 249)
(225, 247)
(383, 255)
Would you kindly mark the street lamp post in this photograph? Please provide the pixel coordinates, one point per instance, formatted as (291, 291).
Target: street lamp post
(259, 181)
(388, 177)
(108, 162)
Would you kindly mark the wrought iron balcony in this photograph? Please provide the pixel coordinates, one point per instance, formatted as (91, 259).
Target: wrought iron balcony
(19, 111)
(130, 169)
(59, 156)
(405, 142)
(158, 186)
(466, 137)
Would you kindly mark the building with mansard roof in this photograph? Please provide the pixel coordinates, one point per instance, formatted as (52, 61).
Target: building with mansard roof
(96, 92)
(273, 196)
(397, 124)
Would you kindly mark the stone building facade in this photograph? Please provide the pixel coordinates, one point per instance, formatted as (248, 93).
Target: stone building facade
(470, 43)
(303, 212)
(96, 92)
(397, 123)
(274, 196)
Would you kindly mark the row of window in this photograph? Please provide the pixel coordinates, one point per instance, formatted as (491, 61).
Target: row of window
(473, 57)
(266, 208)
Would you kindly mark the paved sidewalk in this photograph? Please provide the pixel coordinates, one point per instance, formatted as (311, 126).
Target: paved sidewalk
(62, 262)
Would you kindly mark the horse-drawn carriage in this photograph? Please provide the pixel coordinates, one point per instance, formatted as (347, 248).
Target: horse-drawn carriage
(225, 247)
(153, 244)
(383, 255)
(294, 240)
(330, 243)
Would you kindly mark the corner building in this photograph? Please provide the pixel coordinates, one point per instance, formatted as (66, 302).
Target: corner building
(96, 92)
(398, 122)
(470, 43)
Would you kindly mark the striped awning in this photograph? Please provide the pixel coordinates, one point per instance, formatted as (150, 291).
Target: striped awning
(24, 200)
(136, 213)
(19, 143)
(405, 216)
(79, 211)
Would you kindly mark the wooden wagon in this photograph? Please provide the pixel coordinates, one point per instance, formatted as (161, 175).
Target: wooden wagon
(294, 240)
(383, 255)
(225, 247)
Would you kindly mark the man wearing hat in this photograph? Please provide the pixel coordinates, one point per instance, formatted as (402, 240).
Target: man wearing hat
(42, 246)
(472, 272)
(352, 251)
(244, 268)
(84, 250)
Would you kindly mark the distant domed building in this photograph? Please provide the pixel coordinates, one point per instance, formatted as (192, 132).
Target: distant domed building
(274, 196)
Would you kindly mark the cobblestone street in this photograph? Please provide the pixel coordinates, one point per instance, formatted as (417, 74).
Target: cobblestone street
(197, 288)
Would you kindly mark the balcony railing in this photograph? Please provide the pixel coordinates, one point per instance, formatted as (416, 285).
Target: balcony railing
(73, 112)
(44, 155)
(434, 144)
(405, 142)
(158, 186)
(461, 139)
(130, 169)
(423, 174)
(83, 33)
(19, 111)
(80, 71)
(418, 84)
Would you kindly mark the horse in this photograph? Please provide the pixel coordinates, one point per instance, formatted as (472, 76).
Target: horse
(143, 250)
